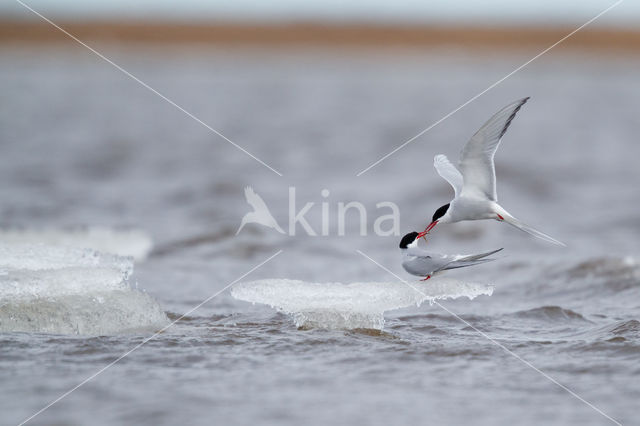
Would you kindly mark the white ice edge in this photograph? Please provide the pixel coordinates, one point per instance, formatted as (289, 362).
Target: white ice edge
(351, 305)
(121, 242)
(63, 290)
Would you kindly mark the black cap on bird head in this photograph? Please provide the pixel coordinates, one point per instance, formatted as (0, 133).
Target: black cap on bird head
(408, 239)
(440, 212)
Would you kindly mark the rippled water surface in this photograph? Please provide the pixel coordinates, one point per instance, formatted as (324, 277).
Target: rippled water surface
(82, 145)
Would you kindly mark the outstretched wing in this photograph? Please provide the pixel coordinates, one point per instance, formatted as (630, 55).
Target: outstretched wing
(255, 200)
(476, 158)
(448, 172)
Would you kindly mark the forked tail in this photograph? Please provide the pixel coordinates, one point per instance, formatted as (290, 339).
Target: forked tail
(529, 230)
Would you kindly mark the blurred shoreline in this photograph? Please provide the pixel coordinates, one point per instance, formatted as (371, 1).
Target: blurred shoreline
(286, 35)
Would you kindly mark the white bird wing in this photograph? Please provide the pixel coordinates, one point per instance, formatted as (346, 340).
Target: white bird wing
(255, 201)
(414, 250)
(476, 159)
(434, 259)
(419, 262)
(448, 172)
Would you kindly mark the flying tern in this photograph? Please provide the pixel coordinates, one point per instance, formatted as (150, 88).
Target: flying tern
(474, 180)
(422, 263)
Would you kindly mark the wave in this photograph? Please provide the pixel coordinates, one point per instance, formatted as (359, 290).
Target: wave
(63, 290)
(550, 313)
(620, 331)
(134, 243)
(621, 337)
(616, 274)
(350, 306)
(603, 267)
(630, 328)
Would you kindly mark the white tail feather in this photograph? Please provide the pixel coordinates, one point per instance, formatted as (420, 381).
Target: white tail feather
(529, 230)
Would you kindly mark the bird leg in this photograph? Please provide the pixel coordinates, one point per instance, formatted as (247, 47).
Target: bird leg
(428, 276)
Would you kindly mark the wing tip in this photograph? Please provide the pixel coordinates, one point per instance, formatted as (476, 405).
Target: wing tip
(521, 101)
(519, 105)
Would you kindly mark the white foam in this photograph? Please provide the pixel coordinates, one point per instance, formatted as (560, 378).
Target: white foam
(132, 242)
(52, 289)
(349, 306)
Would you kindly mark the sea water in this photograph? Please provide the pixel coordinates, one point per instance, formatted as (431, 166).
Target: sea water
(83, 146)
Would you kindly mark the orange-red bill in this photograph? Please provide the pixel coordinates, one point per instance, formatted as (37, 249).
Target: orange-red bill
(431, 226)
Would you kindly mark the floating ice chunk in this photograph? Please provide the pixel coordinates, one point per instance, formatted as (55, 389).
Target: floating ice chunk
(134, 243)
(97, 314)
(349, 306)
(42, 257)
(63, 290)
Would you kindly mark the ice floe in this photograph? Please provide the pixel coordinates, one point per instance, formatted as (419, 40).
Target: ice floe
(353, 305)
(132, 242)
(54, 289)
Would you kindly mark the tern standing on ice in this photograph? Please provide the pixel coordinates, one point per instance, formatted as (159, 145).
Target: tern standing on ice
(474, 181)
(417, 261)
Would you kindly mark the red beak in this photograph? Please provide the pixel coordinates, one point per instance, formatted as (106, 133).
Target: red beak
(421, 234)
(431, 226)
